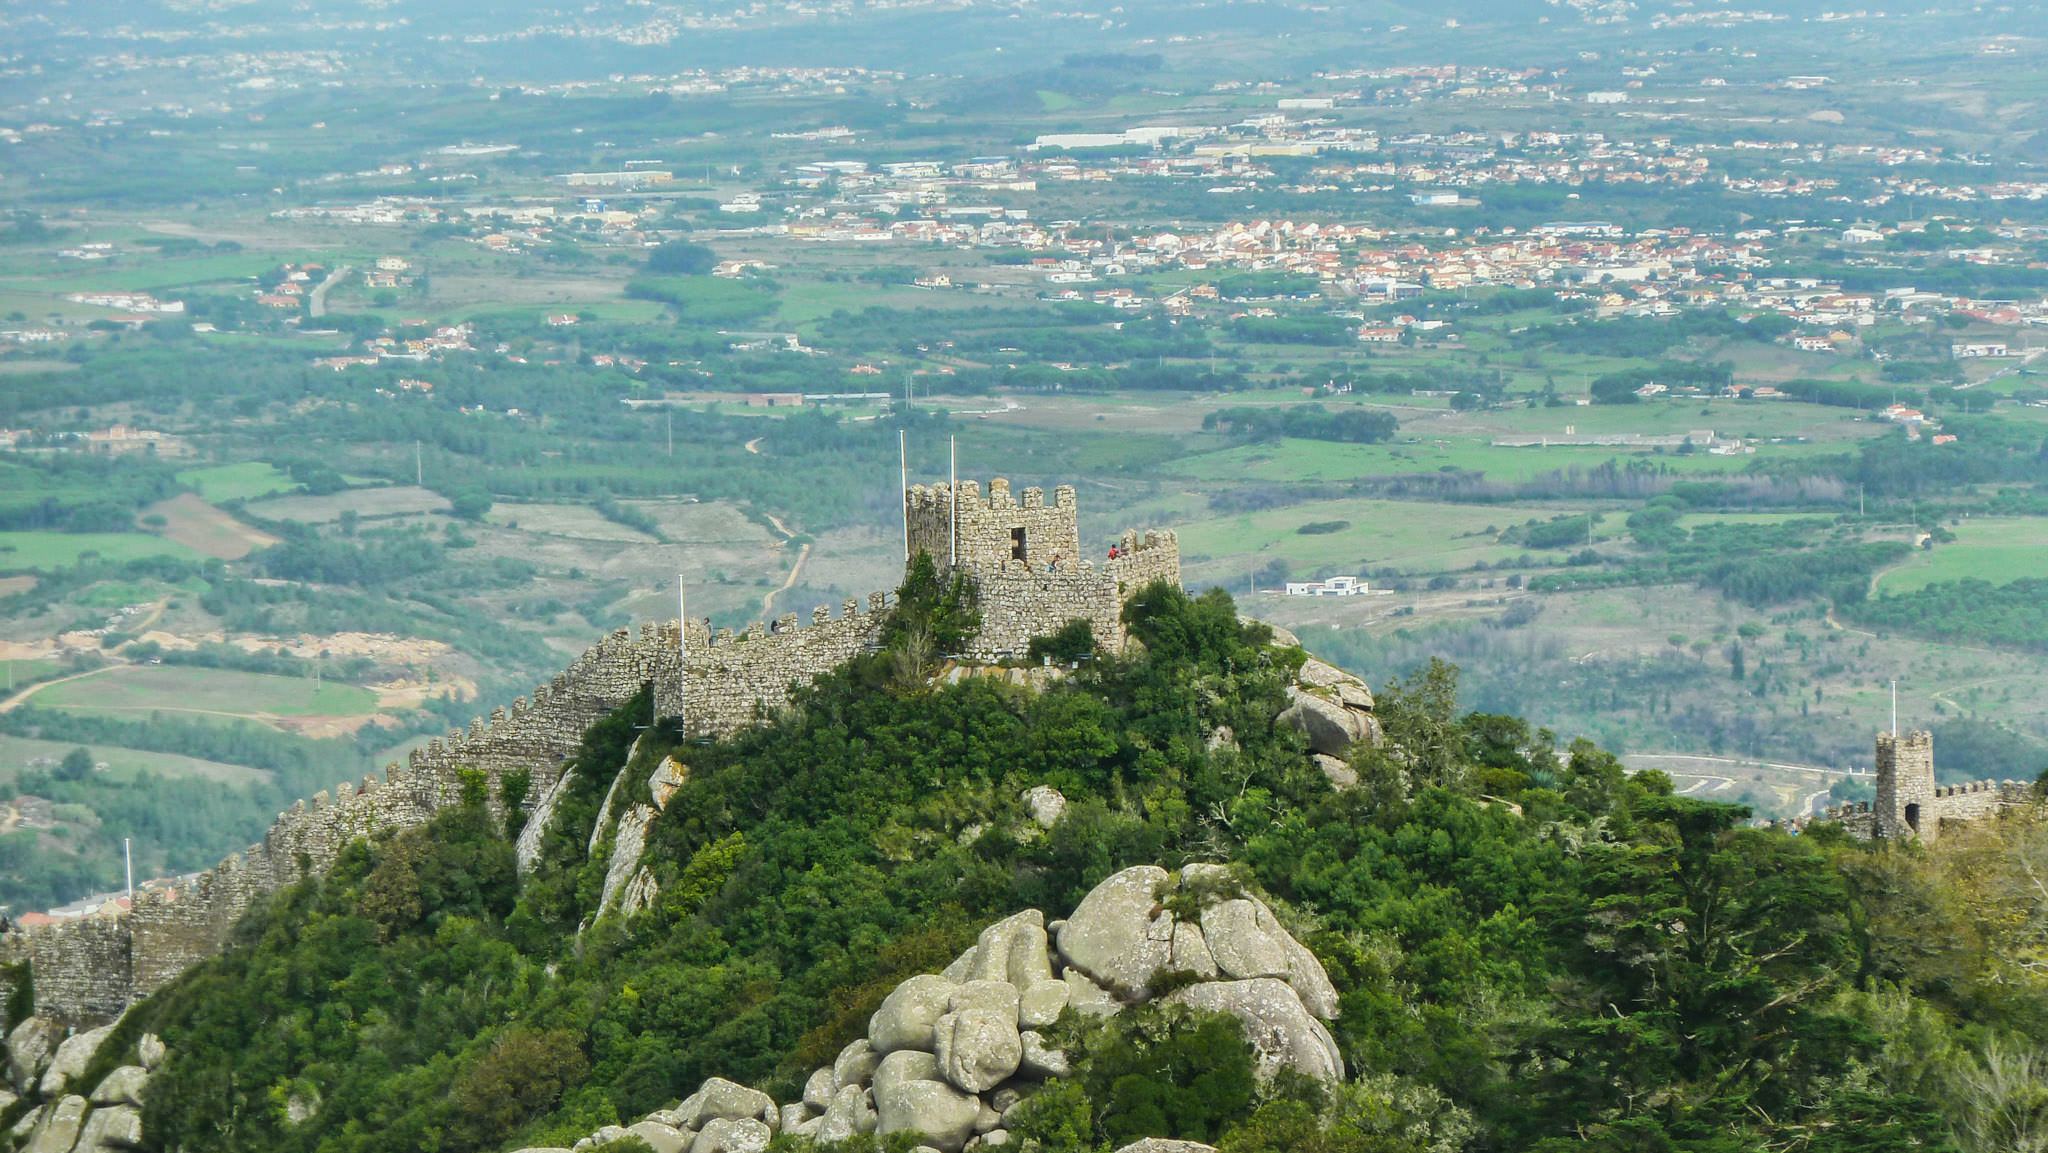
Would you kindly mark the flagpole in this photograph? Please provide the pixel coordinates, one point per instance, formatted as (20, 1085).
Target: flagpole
(903, 455)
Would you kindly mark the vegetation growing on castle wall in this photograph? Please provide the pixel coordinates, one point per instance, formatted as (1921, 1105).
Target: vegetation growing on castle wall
(1535, 949)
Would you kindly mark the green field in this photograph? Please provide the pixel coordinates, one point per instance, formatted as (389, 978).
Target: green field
(211, 692)
(1408, 535)
(51, 550)
(1995, 549)
(122, 764)
(1330, 462)
(245, 481)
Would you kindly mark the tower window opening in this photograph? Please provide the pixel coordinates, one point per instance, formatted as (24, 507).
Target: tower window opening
(1913, 817)
(1016, 544)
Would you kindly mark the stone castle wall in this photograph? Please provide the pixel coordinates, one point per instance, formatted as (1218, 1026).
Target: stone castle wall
(1910, 804)
(728, 681)
(717, 683)
(92, 968)
(988, 527)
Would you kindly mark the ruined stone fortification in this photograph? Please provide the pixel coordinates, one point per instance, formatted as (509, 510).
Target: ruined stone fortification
(716, 683)
(1910, 804)
(1025, 560)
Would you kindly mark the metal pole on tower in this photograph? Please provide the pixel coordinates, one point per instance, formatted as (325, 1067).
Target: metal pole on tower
(903, 455)
(1895, 709)
(128, 855)
(953, 497)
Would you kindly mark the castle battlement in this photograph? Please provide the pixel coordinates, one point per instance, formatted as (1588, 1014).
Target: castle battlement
(1023, 557)
(1909, 804)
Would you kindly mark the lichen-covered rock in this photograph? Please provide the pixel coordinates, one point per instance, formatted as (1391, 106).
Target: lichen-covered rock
(1328, 678)
(942, 1114)
(1245, 939)
(123, 1086)
(1119, 936)
(1040, 1059)
(1040, 1005)
(819, 1089)
(1329, 726)
(1014, 949)
(997, 996)
(1336, 770)
(723, 1100)
(733, 1135)
(855, 1064)
(908, 1014)
(113, 1129)
(28, 1050)
(1162, 1145)
(1280, 1029)
(150, 1051)
(73, 1055)
(1047, 805)
(851, 1114)
(979, 1048)
(57, 1130)
(659, 1137)
(1310, 982)
(1190, 952)
(1088, 997)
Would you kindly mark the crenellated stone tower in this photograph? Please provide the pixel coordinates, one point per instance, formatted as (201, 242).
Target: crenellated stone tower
(1905, 785)
(1025, 559)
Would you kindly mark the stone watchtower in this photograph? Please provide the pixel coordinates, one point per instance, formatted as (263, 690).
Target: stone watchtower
(1905, 786)
(1024, 557)
(996, 534)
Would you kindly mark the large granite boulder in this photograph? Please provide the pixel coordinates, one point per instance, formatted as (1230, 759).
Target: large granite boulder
(942, 1114)
(123, 1086)
(57, 1130)
(73, 1055)
(1281, 1030)
(851, 1114)
(659, 1137)
(723, 1100)
(113, 1129)
(1331, 728)
(1244, 939)
(979, 1048)
(855, 1064)
(29, 1048)
(1162, 1145)
(1120, 936)
(909, 1014)
(733, 1135)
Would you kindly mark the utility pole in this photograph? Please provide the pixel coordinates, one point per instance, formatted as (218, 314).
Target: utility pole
(903, 455)
(1895, 708)
(419, 468)
(671, 431)
(128, 855)
(953, 497)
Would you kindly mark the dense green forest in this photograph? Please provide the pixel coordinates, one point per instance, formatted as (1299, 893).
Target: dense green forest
(1535, 949)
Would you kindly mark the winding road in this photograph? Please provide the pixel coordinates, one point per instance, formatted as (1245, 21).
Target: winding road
(803, 553)
(316, 304)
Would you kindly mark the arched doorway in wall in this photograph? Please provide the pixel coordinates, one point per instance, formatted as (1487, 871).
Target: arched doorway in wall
(1913, 818)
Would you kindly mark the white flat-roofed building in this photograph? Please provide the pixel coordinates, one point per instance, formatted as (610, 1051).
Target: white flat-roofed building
(1339, 586)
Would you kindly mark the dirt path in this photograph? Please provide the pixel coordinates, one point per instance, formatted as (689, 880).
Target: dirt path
(13, 702)
(754, 446)
(803, 554)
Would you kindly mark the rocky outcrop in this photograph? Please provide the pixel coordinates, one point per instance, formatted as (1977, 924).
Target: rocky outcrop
(948, 1055)
(104, 1118)
(1333, 709)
